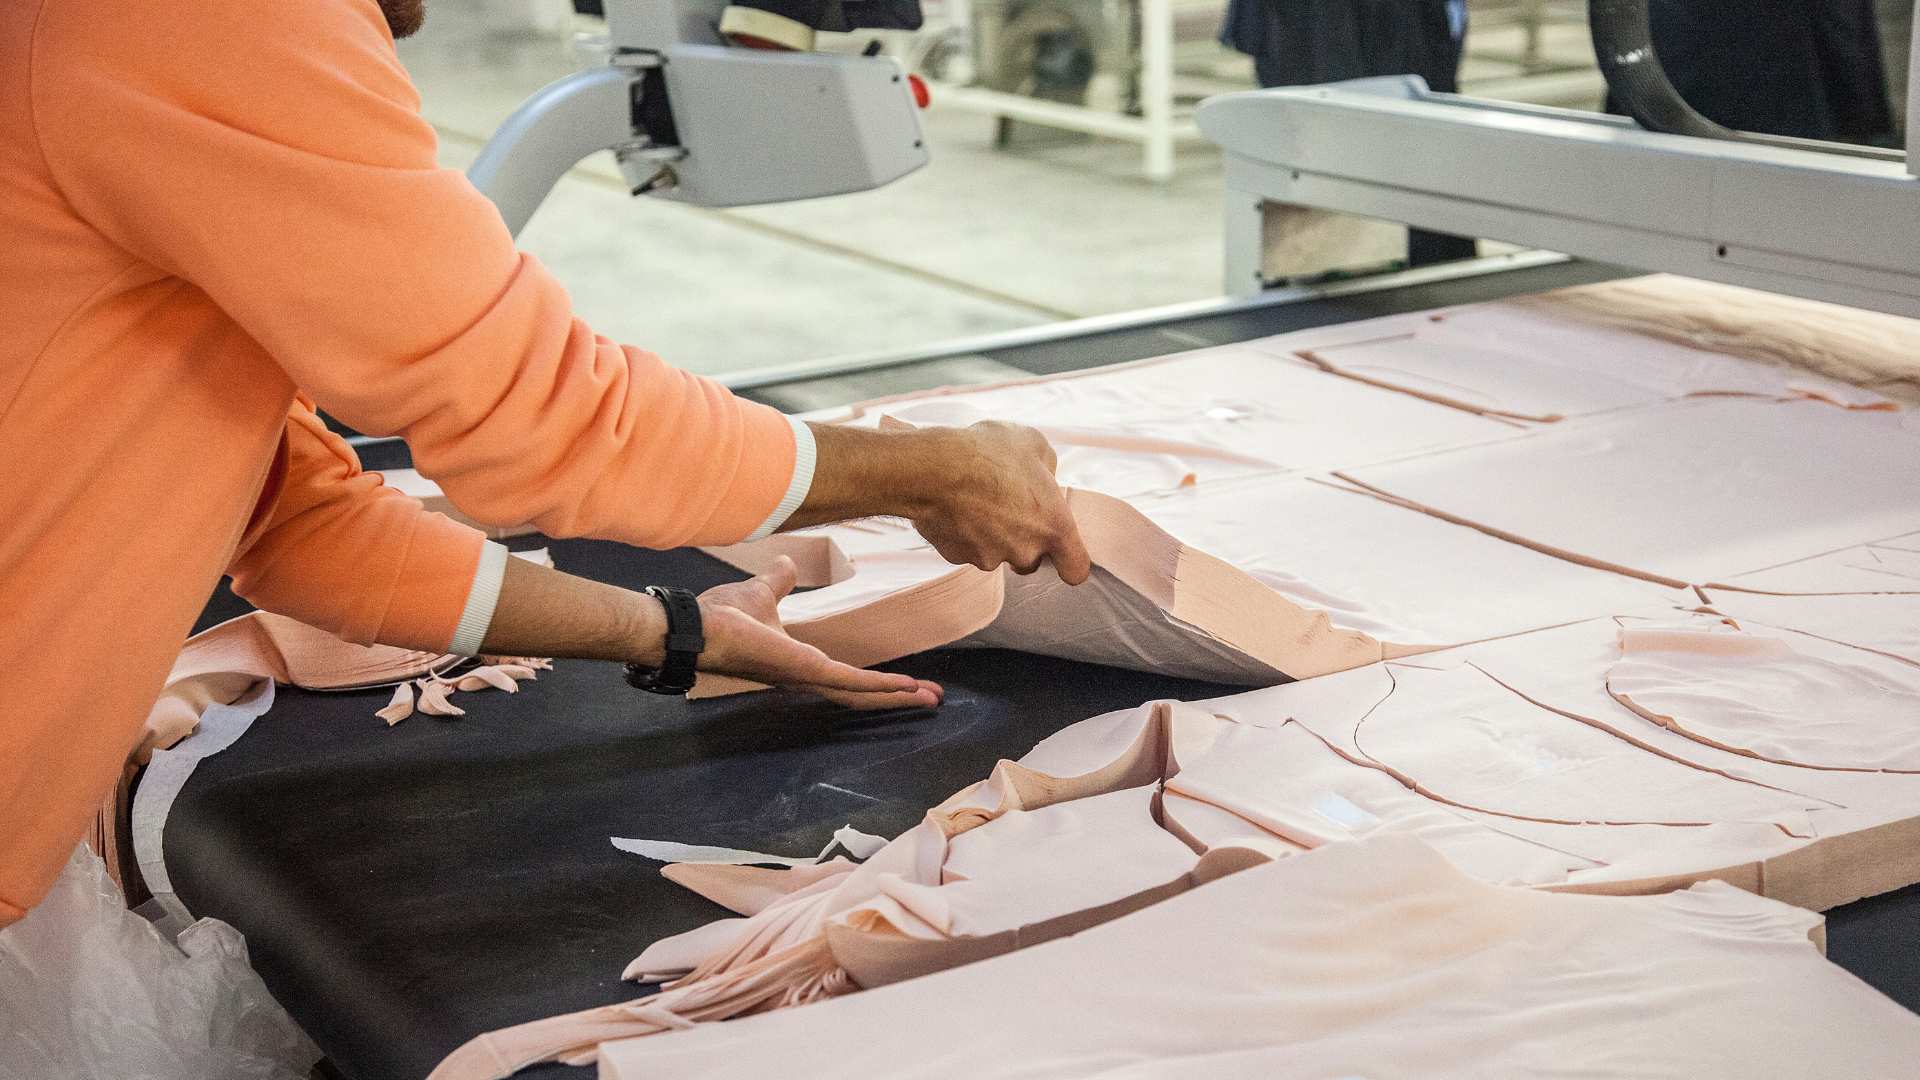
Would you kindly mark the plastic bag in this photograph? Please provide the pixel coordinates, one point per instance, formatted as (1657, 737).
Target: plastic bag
(91, 991)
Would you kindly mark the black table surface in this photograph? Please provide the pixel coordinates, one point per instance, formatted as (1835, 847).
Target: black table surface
(403, 889)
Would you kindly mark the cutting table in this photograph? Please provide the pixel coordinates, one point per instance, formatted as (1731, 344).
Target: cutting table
(403, 889)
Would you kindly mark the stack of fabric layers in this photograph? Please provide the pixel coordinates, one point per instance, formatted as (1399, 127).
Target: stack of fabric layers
(1552, 634)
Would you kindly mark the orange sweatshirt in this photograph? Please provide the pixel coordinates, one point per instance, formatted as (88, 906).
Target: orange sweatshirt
(212, 214)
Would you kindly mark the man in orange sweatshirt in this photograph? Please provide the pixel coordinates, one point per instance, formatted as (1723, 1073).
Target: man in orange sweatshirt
(217, 215)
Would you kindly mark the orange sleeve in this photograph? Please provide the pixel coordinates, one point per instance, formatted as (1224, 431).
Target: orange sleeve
(274, 156)
(337, 549)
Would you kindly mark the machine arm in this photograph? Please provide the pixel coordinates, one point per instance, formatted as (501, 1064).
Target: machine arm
(691, 117)
(549, 133)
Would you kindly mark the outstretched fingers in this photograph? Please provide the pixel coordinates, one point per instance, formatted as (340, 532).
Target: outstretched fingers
(926, 696)
(860, 687)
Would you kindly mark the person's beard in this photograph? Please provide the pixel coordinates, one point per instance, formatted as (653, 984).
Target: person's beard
(404, 16)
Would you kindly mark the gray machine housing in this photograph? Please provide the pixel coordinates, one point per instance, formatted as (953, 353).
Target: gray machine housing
(692, 119)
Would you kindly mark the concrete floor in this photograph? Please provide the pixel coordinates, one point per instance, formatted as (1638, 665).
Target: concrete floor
(1059, 226)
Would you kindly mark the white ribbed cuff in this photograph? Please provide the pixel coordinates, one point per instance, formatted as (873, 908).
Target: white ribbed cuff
(806, 452)
(477, 617)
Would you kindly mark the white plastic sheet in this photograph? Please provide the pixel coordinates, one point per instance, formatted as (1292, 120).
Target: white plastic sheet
(91, 991)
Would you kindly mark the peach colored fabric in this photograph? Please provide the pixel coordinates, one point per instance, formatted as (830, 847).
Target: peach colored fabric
(1880, 567)
(1530, 359)
(1841, 342)
(1373, 959)
(1691, 493)
(1205, 446)
(1762, 695)
(219, 665)
(1153, 604)
(1022, 857)
(1202, 416)
(1861, 834)
(1515, 759)
(281, 226)
(1884, 623)
(1249, 581)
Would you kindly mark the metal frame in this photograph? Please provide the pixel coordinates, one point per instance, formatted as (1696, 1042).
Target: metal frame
(1845, 229)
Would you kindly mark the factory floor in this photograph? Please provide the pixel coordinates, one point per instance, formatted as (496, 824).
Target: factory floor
(1055, 226)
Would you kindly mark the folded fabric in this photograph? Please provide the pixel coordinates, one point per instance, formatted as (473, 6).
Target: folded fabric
(1251, 581)
(220, 664)
(1493, 611)
(1368, 959)
(1513, 759)
(1025, 856)
(1154, 604)
(1673, 469)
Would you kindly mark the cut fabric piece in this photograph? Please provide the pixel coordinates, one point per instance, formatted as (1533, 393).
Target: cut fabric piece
(227, 663)
(1708, 816)
(1287, 781)
(1830, 339)
(220, 664)
(1862, 834)
(1509, 757)
(1401, 576)
(1055, 853)
(1366, 959)
(859, 844)
(1525, 360)
(1201, 416)
(1250, 581)
(1154, 604)
(1888, 624)
(1880, 567)
(1772, 697)
(1686, 494)
(1466, 741)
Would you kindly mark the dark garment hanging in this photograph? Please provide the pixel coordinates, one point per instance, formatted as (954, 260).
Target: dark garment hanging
(1808, 68)
(1304, 42)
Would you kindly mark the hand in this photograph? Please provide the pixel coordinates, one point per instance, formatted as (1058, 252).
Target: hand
(745, 639)
(997, 503)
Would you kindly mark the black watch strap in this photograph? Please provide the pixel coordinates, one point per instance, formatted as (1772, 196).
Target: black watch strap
(678, 667)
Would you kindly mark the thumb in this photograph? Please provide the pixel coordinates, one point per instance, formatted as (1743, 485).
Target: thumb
(781, 579)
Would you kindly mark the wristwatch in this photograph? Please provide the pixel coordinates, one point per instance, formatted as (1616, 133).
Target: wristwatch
(675, 674)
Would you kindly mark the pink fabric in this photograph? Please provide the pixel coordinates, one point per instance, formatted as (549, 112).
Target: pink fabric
(1371, 959)
(1693, 493)
(1539, 679)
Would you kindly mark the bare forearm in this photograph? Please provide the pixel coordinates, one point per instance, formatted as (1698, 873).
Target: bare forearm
(984, 494)
(861, 472)
(544, 612)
